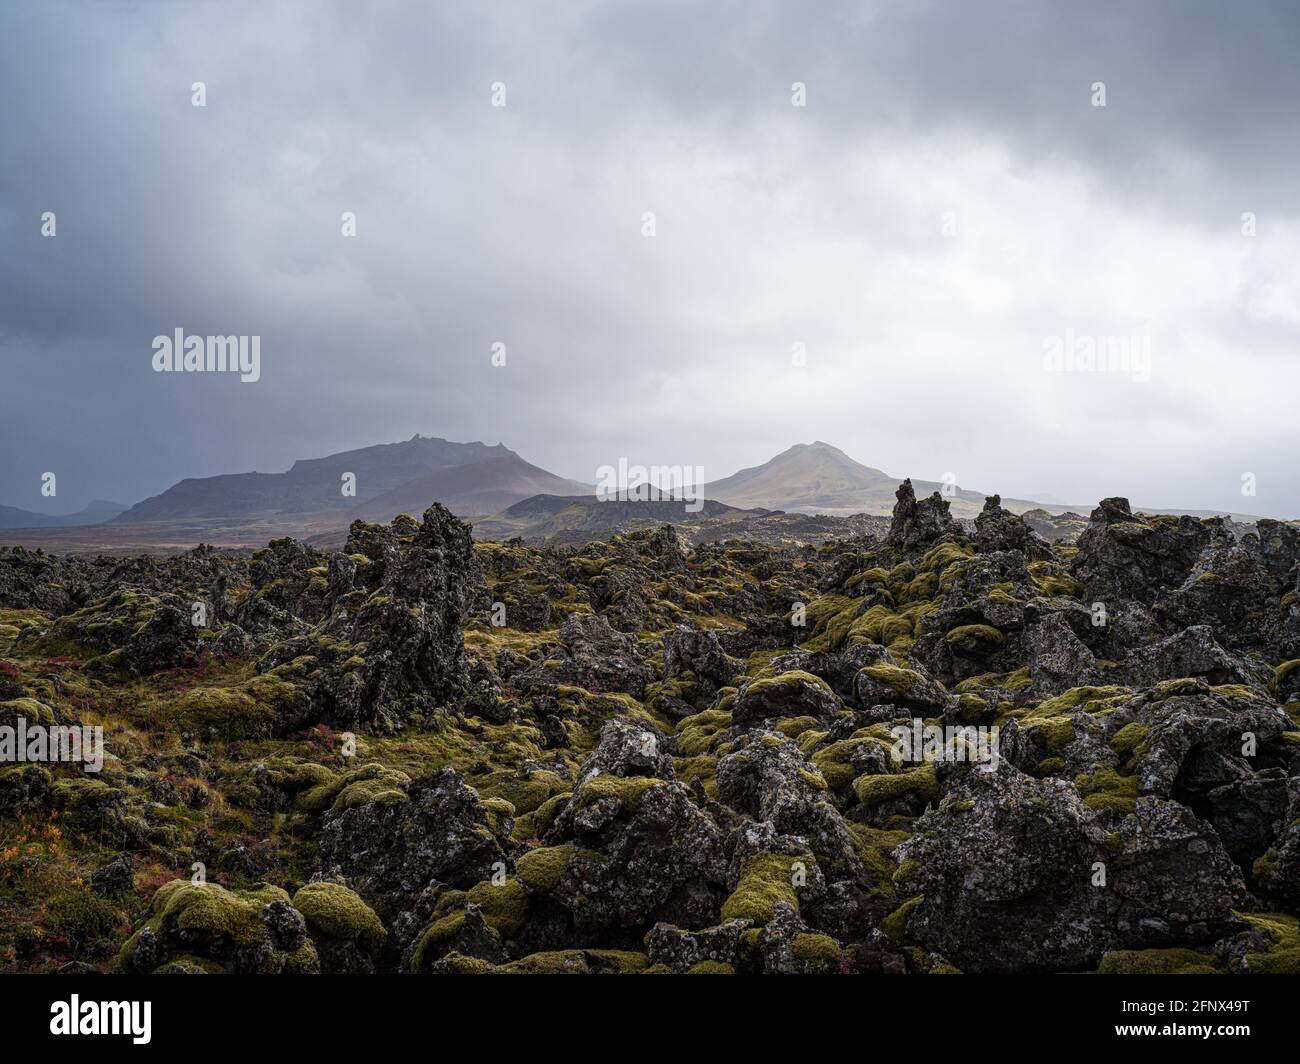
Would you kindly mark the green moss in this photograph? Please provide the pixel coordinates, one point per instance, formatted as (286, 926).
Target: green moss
(905, 871)
(697, 734)
(1091, 699)
(971, 707)
(1186, 685)
(1104, 789)
(88, 920)
(1234, 690)
(831, 617)
(504, 908)
(35, 712)
(80, 792)
(711, 968)
(874, 789)
(302, 961)
(440, 932)
(898, 680)
(369, 783)
(189, 965)
(498, 811)
(504, 905)
(212, 910)
(868, 576)
(628, 790)
(1014, 681)
(783, 681)
(1156, 962)
(532, 825)
(895, 924)
(542, 869)
(765, 879)
(795, 726)
(293, 775)
(879, 624)
(462, 965)
(975, 635)
(1281, 673)
(940, 557)
(226, 712)
(1283, 956)
(835, 761)
(924, 586)
(525, 793)
(1129, 738)
(1265, 865)
(339, 913)
(816, 950)
(579, 962)
(1055, 732)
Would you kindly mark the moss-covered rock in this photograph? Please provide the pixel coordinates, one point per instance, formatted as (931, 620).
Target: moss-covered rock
(765, 879)
(334, 911)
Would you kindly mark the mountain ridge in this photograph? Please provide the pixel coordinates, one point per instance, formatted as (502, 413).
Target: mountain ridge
(479, 488)
(310, 484)
(93, 513)
(481, 482)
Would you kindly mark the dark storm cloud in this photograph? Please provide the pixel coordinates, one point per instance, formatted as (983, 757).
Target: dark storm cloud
(775, 225)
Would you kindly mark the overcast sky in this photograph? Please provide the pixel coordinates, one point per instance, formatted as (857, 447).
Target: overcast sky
(948, 200)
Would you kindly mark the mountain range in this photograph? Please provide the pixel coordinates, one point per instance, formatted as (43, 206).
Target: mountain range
(477, 488)
(501, 492)
(91, 514)
(312, 484)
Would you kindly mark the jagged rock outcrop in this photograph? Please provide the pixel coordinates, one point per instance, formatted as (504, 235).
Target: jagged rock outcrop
(392, 648)
(390, 843)
(789, 694)
(700, 653)
(997, 529)
(593, 655)
(1016, 874)
(1126, 556)
(919, 525)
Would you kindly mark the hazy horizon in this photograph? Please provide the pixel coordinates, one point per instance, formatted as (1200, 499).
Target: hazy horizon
(946, 208)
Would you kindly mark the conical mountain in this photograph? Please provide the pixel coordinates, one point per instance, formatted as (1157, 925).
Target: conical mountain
(809, 477)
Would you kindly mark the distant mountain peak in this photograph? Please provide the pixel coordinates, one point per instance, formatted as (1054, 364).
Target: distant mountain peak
(812, 477)
(478, 488)
(93, 513)
(312, 484)
(815, 477)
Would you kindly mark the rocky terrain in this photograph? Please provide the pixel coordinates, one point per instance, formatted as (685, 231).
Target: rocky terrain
(428, 754)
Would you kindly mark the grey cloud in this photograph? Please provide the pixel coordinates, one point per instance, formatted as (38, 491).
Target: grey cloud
(775, 225)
